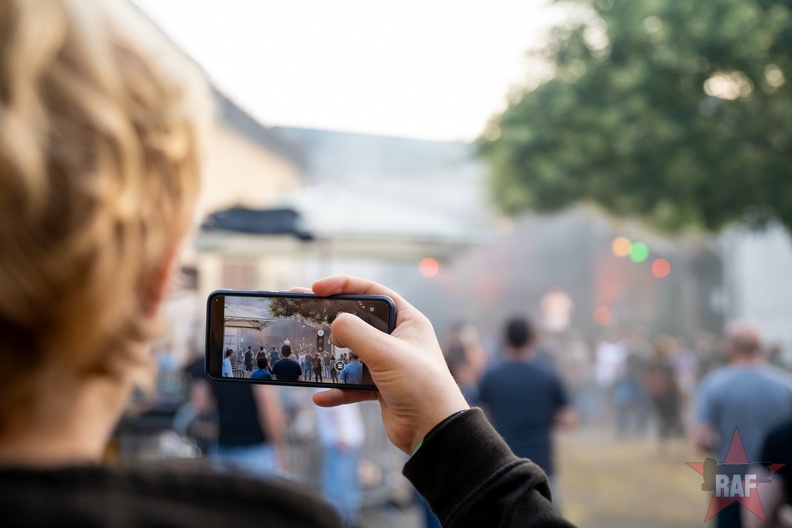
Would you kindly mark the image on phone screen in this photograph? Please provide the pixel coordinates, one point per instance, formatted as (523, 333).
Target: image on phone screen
(284, 338)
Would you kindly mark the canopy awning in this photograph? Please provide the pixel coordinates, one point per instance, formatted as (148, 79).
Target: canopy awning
(332, 224)
(238, 317)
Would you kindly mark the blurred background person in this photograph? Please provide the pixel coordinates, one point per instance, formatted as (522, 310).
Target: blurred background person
(610, 355)
(525, 398)
(662, 383)
(776, 495)
(341, 435)
(576, 367)
(708, 353)
(746, 395)
(466, 359)
(251, 422)
(685, 363)
(630, 398)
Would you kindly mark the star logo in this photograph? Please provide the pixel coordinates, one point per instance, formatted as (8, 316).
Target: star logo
(735, 480)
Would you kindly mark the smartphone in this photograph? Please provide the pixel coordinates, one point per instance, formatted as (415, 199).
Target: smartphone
(284, 338)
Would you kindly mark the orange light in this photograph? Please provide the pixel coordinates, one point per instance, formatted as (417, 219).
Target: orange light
(661, 268)
(621, 246)
(603, 316)
(428, 267)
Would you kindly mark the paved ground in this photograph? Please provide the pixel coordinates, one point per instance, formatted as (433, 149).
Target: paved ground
(607, 483)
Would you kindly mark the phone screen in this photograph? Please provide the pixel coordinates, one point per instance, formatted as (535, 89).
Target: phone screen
(284, 338)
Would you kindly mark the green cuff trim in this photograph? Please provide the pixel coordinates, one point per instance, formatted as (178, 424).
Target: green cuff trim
(417, 448)
(437, 428)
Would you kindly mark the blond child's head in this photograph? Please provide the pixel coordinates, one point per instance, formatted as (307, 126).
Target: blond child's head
(99, 169)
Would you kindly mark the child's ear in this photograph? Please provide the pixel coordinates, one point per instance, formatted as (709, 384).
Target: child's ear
(160, 283)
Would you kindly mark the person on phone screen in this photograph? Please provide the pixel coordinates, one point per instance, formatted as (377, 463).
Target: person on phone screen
(352, 374)
(228, 370)
(305, 361)
(248, 357)
(326, 364)
(102, 128)
(262, 371)
(262, 353)
(331, 364)
(317, 364)
(286, 368)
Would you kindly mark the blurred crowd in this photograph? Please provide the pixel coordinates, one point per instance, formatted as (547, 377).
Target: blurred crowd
(727, 397)
(633, 385)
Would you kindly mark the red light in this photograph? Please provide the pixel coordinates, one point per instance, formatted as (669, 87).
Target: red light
(661, 268)
(428, 267)
(603, 316)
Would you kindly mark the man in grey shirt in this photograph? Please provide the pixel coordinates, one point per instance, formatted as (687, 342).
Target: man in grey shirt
(747, 395)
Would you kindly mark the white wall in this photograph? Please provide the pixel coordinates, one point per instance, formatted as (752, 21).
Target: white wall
(760, 279)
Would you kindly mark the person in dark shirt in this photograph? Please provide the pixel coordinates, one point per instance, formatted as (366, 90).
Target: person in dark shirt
(318, 366)
(776, 496)
(287, 369)
(251, 422)
(262, 352)
(249, 359)
(524, 398)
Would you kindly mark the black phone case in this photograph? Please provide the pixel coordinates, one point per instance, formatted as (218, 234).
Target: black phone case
(310, 308)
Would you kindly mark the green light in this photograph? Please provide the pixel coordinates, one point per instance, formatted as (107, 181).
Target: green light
(639, 252)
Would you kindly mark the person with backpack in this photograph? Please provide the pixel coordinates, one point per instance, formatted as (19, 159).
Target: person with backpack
(317, 365)
(249, 359)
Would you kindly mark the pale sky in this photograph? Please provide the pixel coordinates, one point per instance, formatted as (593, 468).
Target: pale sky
(430, 69)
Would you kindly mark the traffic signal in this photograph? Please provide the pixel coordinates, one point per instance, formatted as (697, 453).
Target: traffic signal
(320, 341)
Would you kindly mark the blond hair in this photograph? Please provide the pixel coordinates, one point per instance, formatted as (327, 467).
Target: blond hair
(99, 167)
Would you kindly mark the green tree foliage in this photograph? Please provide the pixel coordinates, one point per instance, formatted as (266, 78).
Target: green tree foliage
(676, 111)
(317, 311)
(314, 311)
